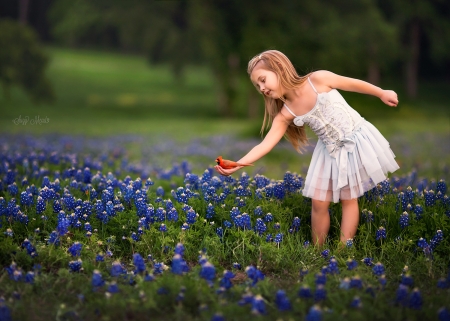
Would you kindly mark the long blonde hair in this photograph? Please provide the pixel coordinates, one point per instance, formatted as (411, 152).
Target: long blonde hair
(288, 78)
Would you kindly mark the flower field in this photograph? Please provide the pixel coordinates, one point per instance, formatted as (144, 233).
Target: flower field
(90, 231)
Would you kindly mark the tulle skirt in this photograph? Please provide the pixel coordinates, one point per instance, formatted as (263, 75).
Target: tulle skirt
(366, 166)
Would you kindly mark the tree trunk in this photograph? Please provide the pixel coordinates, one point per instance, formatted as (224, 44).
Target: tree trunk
(23, 11)
(412, 60)
(373, 73)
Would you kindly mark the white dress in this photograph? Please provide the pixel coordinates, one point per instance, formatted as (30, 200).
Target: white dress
(351, 155)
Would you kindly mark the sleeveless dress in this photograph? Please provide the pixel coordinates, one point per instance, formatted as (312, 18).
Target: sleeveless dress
(351, 156)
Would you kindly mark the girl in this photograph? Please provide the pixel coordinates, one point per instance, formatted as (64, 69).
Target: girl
(351, 156)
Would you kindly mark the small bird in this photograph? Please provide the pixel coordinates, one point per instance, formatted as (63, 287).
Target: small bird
(227, 164)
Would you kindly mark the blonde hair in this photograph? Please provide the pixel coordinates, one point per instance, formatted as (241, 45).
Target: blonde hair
(288, 78)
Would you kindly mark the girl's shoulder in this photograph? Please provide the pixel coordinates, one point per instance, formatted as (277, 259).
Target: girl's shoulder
(320, 75)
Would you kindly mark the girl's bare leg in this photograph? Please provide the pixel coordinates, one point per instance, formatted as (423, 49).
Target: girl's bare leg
(350, 219)
(320, 221)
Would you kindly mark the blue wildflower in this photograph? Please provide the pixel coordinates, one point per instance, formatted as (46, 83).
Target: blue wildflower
(380, 234)
(75, 266)
(97, 279)
(113, 287)
(407, 280)
(208, 272)
(355, 282)
(320, 293)
(349, 243)
(351, 264)
(345, 284)
(139, 263)
(236, 266)
(117, 269)
(304, 292)
(333, 266)
(367, 261)
(356, 302)
(75, 249)
(254, 274)
(378, 269)
(282, 301)
(314, 314)
(258, 305)
(225, 282)
(321, 278)
(415, 301)
(325, 253)
(217, 317)
(402, 295)
(278, 238)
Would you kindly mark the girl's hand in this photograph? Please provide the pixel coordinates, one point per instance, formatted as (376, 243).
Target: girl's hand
(389, 97)
(226, 172)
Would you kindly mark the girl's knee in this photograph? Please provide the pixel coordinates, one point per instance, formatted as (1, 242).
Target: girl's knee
(320, 205)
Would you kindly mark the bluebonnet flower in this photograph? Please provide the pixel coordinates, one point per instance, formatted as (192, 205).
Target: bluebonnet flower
(325, 253)
(282, 301)
(407, 280)
(254, 274)
(236, 266)
(139, 263)
(40, 205)
(258, 305)
(208, 272)
(148, 277)
(321, 278)
(304, 271)
(75, 266)
(295, 224)
(304, 292)
(217, 317)
(356, 302)
(191, 216)
(378, 269)
(5, 312)
(54, 238)
(268, 218)
(160, 191)
(345, 283)
(97, 279)
(163, 228)
(351, 264)
(349, 243)
(31, 250)
(380, 234)
(418, 210)
(333, 266)
(355, 282)
(443, 283)
(117, 269)
(210, 211)
(158, 268)
(225, 282)
(441, 187)
(269, 237)
(314, 314)
(179, 265)
(113, 287)
(404, 220)
(437, 238)
(402, 295)
(75, 249)
(278, 238)
(29, 278)
(382, 279)
(260, 226)
(246, 298)
(430, 198)
(415, 301)
(87, 227)
(443, 314)
(367, 215)
(258, 211)
(367, 261)
(306, 244)
(320, 293)
(99, 258)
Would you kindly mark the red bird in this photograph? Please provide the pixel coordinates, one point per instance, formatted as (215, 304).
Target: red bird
(227, 164)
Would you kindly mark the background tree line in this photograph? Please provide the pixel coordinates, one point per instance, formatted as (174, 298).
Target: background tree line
(368, 39)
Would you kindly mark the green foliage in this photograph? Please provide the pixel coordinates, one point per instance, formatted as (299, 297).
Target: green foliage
(23, 62)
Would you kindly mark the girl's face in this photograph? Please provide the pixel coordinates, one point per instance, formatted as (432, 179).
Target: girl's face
(266, 82)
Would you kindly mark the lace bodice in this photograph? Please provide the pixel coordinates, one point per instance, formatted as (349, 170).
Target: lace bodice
(332, 119)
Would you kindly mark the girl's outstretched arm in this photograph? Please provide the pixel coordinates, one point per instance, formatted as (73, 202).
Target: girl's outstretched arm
(279, 125)
(333, 80)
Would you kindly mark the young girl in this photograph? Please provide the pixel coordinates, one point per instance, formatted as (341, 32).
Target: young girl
(351, 156)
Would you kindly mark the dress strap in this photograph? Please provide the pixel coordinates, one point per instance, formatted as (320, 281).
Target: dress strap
(289, 110)
(312, 86)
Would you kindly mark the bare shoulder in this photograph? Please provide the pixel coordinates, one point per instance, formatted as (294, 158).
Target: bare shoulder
(321, 75)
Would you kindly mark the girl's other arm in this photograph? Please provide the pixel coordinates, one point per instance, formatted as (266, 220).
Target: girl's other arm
(333, 80)
(279, 125)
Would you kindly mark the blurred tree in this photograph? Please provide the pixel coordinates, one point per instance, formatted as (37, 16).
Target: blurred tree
(22, 62)
(419, 21)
